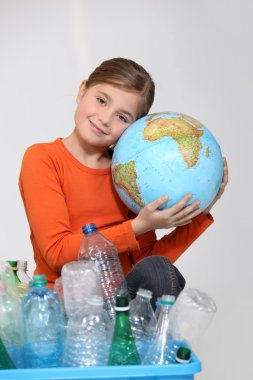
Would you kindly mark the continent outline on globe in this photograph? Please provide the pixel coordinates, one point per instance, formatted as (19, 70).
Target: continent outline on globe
(186, 131)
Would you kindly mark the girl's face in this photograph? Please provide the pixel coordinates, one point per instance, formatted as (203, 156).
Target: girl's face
(104, 112)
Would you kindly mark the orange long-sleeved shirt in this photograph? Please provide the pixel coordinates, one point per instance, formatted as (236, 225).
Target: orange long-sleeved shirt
(60, 195)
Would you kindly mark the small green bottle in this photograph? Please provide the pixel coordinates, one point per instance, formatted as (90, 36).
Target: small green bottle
(14, 268)
(5, 360)
(123, 350)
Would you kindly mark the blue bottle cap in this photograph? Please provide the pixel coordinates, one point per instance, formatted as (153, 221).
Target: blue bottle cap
(89, 228)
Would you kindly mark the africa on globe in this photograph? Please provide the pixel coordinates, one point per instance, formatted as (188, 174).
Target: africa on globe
(166, 153)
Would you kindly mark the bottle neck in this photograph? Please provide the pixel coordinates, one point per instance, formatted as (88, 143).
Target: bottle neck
(163, 320)
(22, 267)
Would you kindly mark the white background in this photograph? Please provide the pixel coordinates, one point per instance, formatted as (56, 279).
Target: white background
(200, 56)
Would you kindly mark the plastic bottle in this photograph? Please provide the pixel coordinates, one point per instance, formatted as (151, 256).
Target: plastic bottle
(165, 297)
(8, 278)
(159, 351)
(80, 281)
(96, 247)
(43, 325)
(5, 360)
(157, 307)
(190, 316)
(143, 320)
(10, 325)
(86, 341)
(22, 272)
(13, 265)
(123, 350)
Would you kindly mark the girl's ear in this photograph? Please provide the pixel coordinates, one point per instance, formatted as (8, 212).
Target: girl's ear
(81, 91)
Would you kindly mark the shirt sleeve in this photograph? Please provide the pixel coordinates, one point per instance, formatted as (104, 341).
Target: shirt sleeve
(41, 189)
(174, 244)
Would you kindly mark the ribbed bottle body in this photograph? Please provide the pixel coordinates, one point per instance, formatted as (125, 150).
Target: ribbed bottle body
(96, 247)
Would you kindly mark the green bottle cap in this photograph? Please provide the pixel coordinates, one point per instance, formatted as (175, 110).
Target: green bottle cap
(39, 279)
(183, 355)
(13, 264)
(122, 302)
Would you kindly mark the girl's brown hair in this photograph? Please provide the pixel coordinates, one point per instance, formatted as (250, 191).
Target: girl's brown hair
(128, 75)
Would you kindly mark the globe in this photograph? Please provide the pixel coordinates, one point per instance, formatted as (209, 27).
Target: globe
(166, 153)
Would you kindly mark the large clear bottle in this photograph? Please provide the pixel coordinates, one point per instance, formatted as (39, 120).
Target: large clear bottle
(43, 325)
(80, 281)
(159, 351)
(189, 318)
(86, 341)
(10, 324)
(96, 247)
(123, 350)
(143, 320)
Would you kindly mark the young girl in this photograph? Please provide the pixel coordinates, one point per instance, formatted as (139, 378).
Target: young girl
(67, 183)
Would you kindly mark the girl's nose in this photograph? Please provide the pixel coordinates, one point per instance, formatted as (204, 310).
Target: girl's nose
(105, 116)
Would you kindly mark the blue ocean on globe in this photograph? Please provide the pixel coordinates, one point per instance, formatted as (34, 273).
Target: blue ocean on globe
(166, 153)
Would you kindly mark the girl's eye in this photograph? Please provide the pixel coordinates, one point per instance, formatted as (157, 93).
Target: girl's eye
(122, 118)
(101, 101)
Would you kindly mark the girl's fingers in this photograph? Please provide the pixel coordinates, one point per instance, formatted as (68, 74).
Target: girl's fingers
(157, 203)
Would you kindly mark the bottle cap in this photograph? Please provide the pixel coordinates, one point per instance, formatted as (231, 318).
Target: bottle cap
(122, 303)
(39, 279)
(21, 264)
(167, 299)
(183, 355)
(144, 293)
(89, 228)
(13, 264)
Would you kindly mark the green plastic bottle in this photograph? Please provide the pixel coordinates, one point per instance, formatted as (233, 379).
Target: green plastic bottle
(5, 360)
(123, 350)
(13, 265)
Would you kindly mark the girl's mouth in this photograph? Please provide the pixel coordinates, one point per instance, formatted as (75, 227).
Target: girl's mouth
(96, 129)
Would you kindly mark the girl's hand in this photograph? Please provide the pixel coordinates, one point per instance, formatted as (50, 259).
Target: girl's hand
(151, 218)
(223, 185)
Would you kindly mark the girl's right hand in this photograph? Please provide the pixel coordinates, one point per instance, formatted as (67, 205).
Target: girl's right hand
(151, 218)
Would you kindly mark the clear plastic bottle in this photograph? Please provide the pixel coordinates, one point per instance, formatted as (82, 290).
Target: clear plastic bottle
(86, 341)
(10, 325)
(96, 247)
(165, 297)
(80, 282)
(43, 325)
(123, 350)
(22, 272)
(159, 351)
(143, 320)
(190, 316)
(8, 278)
(157, 307)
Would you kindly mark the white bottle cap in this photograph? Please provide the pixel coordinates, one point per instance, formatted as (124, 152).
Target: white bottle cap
(144, 293)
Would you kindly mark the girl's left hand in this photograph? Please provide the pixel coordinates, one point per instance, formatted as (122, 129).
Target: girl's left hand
(222, 186)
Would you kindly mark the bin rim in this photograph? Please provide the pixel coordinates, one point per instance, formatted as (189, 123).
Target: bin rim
(104, 372)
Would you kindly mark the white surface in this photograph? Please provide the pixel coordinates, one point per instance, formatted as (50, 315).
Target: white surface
(200, 56)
